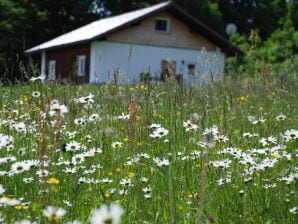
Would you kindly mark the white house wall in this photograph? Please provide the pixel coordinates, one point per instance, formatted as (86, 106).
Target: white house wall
(127, 61)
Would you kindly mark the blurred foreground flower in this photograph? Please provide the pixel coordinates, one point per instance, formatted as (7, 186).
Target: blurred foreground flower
(107, 214)
(41, 78)
(54, 214)
(25, 221)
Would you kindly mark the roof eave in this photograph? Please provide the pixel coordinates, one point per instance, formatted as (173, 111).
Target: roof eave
(31, 52)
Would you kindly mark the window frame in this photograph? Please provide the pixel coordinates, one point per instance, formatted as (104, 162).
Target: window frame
(81, 69)
(167, 20)
(52, 70)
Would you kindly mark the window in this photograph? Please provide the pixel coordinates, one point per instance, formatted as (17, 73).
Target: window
(81, 63)
(162, 24)
(191, 69)
(52, 70)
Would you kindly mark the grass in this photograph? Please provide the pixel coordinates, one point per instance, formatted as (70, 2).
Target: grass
(102, 150)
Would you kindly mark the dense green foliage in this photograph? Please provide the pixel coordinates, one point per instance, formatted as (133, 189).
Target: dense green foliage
(26, 23)
(281, 46)
(225, 153)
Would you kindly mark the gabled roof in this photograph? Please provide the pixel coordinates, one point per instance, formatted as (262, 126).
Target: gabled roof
(103, 27)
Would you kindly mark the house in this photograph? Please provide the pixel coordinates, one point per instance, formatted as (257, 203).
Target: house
(156, 42)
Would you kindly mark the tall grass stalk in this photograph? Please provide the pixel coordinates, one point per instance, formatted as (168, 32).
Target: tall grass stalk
(170, 190)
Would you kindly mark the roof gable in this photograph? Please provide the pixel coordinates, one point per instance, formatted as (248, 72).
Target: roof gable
(179, 34)
(103, 27)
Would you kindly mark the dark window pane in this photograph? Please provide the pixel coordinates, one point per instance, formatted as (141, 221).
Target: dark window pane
(161, 25)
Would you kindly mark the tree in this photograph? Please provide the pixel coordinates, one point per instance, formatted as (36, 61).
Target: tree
(11, 41)
(116, 7)
(206, 11)
(25, 23)
(293, 12)
(262, 15)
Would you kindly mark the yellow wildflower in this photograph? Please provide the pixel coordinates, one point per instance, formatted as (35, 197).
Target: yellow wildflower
(275, 155)
(107, 195)
(125, 140)
(130, 174)
(25, 98)
(53, 180)
(236, 132)
(54, 189)
(21, 207)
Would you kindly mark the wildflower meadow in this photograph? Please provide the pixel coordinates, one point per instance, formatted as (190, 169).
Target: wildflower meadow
(150, 153)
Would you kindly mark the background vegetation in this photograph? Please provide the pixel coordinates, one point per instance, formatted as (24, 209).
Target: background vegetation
(267, 29)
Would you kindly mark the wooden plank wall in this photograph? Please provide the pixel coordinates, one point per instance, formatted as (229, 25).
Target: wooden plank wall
(179, 36)
(66, 59)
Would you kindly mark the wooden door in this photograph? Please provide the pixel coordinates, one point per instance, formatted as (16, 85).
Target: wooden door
(168, 69)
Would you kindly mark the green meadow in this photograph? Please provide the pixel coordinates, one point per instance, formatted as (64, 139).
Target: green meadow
(151, 153)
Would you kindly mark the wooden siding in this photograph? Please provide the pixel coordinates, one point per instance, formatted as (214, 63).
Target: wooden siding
(66, 59)
(179, 35)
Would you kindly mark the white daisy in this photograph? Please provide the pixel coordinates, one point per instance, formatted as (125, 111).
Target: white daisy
(189, 126)
(289, 135)
(73, 146)
(20, 127)
(2, 189)
(126, 182)
(77, 159)
(154, 126)
(280, 117)
(36, 94)
(116, 144)
(107, 214)
(5, 140)
(294, 210)
(9, 201)
(159, 132)
(93, 118)
(19, 167)
(123, 117)
(147, 189)
(161, 162)
(25, 221)
(221, 138)
(74, 222)
(106, 180)
(80, 121)
(54, 213)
